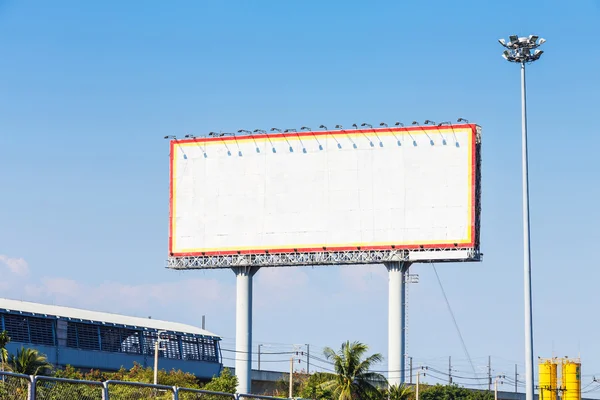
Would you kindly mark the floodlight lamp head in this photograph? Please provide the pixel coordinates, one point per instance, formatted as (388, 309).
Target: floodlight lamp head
(383, 124)
(399, 124)
(506, 55)
(533, 38)
(462, 120)
(541, 42)
(415, 123)
(339, 126)
(322, 127)
(365, 124)
(502, 42)
(428, 121)
(513, 39)
(355, 126)
(305, 128)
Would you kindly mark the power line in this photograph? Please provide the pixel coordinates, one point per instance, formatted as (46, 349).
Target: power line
(462, 341)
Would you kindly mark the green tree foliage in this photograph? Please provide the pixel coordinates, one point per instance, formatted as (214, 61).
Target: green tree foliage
(4, 340)
(353, 377)
(29, 362)
(313, 386)
(226, 382)
(453, 392)
(399, 392)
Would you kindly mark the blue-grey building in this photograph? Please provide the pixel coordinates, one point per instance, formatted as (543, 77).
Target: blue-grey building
(95, 340)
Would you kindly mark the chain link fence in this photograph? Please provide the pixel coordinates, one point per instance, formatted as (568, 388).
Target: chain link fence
(255, 396)
(195, 394)
(24, 387)
(47, 388)
(119, 390)
(14, 386)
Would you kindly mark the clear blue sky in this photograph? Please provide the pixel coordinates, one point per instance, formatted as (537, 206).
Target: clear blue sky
(88, 90)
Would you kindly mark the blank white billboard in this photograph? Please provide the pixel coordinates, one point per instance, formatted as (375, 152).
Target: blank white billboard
(389, 188)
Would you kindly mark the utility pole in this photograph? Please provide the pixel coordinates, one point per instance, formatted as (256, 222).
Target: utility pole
(307, 358)
(496, 388)
(259, 356)
(291, 377)
(489, 373)
(156, 350)
(417, 388)
(449, 370)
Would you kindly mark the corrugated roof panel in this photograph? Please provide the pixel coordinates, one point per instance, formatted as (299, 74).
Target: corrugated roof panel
(76, 313)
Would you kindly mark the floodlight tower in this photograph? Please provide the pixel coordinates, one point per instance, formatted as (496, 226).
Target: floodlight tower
(524, 50)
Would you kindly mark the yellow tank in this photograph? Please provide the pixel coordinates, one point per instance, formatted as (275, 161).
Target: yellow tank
(548, 371)
(571, 380)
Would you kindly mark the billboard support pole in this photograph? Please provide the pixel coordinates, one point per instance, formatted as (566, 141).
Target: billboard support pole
(243, 327)
(396, 321)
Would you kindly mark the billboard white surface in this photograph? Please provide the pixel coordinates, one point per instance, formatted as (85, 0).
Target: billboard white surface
(389, 188)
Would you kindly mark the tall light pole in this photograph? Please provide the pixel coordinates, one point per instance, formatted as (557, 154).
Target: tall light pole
(524, 50)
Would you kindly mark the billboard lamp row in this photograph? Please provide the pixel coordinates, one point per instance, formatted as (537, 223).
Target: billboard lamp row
(306, 128)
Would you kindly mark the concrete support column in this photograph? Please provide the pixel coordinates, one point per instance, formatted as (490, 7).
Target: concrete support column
(243, 327)
(396, 321)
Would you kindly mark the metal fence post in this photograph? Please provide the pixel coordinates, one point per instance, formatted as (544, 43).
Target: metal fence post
(32, 381)
(104, 391)
(175, 393)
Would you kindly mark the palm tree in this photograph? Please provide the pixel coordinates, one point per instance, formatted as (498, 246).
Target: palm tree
(4, 340)
(399, 392)
(29, 362)
(354, 380)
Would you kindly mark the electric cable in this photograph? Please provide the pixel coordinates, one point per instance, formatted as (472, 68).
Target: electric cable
(462, 341)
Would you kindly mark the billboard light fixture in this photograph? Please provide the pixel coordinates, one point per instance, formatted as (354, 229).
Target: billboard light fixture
(275, 130)
(383, 124)
(462, 120)
(289, 130)
(399, 124)
(340, 126)
(170, 137)
(305, 128)
(365, 124)
(323, 127)
(244, 131)
(428, 121)
(189, 136)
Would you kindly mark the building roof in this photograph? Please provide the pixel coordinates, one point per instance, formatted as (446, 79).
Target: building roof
(86, 315)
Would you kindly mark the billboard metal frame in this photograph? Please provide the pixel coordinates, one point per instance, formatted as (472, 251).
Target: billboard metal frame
(324, 258)
(336, 256)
